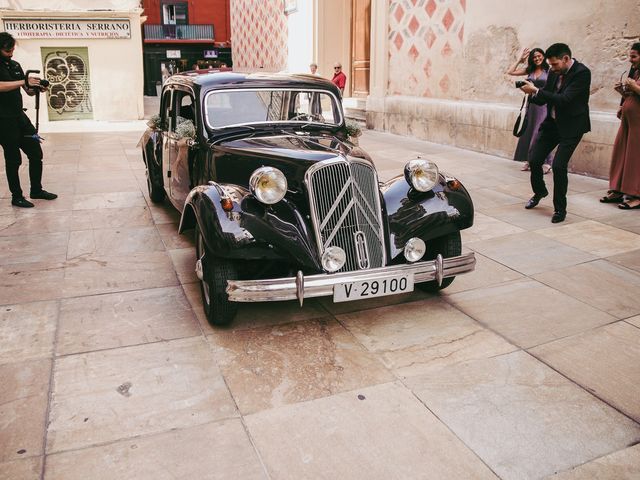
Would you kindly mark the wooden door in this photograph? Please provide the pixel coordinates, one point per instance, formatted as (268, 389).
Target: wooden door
(360, 47)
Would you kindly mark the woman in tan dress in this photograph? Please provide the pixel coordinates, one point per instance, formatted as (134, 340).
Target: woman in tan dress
(624, 175)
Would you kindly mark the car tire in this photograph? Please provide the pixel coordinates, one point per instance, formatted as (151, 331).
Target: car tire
(156, 193)
(448, 246)
(215, 272)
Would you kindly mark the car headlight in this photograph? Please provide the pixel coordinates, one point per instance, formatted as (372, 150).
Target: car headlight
(414, 249)
(333, 259)
(268, 185)
(421, 174)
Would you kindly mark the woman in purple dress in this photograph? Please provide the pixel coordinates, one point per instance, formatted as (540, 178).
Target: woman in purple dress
(536, 72)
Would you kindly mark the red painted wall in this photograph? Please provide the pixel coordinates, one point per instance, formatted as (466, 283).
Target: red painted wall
(202, 12)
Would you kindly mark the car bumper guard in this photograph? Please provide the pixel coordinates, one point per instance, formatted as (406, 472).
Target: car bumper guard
(321, 285)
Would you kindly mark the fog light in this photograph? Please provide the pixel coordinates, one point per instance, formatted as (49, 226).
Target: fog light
(333, 259)
(414, 249)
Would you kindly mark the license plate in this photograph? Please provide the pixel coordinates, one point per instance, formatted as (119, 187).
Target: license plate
(347, 292)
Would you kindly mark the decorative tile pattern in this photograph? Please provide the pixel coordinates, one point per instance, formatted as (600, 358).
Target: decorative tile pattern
(259, 35)
(422, 33)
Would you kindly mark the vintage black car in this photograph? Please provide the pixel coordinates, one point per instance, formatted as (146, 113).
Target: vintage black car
(284, 206)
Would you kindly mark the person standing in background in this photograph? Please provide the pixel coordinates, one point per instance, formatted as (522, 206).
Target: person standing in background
(313, 68)
(624, 174)
(537, 72)
(339, 78)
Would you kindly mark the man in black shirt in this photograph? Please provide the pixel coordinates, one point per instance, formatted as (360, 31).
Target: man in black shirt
(16, 130)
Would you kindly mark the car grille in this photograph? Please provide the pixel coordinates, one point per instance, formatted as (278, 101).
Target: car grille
(345, 210)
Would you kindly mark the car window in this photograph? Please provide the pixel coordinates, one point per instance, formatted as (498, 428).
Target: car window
(238, 107)
(166, 108)
(184, 109)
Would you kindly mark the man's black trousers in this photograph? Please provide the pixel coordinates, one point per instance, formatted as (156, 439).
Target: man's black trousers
(15, 135)
(548, 140)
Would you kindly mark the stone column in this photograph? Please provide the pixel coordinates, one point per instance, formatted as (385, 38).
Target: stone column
(379, 73)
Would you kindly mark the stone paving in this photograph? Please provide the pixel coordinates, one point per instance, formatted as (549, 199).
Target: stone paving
(527, 368)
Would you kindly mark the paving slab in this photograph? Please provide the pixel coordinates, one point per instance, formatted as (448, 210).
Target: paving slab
(606, 286)
(534, 219)
(27, 469)
(415, 337)
(122, 319)
(220, 450)
(529, 324)
(23, 407)
(530, 253)
(487, 272)
(595, 238)
(521, 417)
(96, 274)
(45, 247)
(27, 331)
(629, 260)
(634, 321)
(379, 432)
(111, 395)
(112, 218)
(283, 364)
(605, 361)
(621, 465)
(486, 227)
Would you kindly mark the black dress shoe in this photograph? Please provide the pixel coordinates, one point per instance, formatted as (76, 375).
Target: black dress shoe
(558, 217)
(534, 201)
(44, 195)
(21, 202)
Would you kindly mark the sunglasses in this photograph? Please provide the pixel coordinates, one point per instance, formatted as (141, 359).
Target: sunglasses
(337, 68)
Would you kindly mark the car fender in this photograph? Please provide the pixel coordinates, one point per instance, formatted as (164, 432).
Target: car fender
(444, 209)
(250, 230)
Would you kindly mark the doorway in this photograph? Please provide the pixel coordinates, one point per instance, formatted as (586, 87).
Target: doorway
(360, 47)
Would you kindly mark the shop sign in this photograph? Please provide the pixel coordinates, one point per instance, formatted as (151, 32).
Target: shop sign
(67, 28)
(210, 54)
(173, 53)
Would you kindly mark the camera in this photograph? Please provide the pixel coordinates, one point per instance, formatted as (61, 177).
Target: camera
(43, 83)
(520, 83)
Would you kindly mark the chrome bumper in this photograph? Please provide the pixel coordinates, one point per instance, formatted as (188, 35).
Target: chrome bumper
(321, 285)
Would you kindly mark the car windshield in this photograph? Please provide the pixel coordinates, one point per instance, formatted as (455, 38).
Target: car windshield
(225, 108)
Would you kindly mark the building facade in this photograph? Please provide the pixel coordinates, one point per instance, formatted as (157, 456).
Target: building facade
(435, 69)
(89, 50)
(182, 35)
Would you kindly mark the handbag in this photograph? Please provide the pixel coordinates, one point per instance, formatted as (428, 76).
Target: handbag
(521, 122)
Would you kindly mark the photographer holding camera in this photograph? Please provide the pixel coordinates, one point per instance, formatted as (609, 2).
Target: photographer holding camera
(17, 132)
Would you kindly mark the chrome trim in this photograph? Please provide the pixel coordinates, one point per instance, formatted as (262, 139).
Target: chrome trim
(300, 287)
(359, 202)
(337, 103)
(321, 285)
(439, 263)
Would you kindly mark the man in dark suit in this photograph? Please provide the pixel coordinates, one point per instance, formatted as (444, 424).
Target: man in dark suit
(566, 95)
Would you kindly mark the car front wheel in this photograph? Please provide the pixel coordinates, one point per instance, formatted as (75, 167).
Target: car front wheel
(448, 246)
(213, 273)
(156, 192)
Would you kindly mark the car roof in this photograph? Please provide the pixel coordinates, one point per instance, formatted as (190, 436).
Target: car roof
(208, 80)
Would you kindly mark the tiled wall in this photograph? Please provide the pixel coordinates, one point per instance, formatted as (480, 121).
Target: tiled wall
(424, 35)
(259, 35)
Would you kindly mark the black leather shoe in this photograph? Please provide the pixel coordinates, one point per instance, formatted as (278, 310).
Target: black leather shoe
(534, 201)
(44, 195)
(21, 202)
(558, 217)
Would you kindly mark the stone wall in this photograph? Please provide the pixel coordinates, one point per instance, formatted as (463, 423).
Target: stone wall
(259, 35)
(447, 58)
